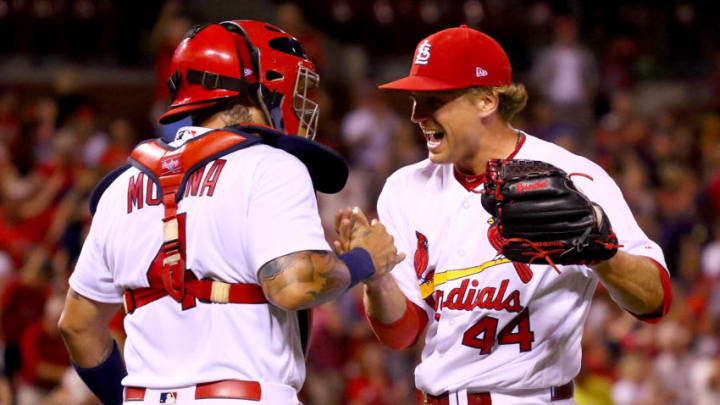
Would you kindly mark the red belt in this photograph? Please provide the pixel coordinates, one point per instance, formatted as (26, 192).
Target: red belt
(207, 290)
(483, 398)
(230, 389)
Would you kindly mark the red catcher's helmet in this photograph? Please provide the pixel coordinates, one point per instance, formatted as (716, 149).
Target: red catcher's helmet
(220, 61)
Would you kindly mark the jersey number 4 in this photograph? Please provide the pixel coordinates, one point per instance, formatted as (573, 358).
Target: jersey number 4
(482, 334)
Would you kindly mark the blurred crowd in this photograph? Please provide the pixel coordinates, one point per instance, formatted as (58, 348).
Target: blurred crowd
(656, 131)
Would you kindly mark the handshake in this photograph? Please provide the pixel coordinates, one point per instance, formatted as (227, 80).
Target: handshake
(354, 230)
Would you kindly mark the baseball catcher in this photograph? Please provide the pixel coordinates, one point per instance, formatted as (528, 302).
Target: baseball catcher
(543, 217)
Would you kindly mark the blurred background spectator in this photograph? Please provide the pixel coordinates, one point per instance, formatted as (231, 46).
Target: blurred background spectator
(635, 86)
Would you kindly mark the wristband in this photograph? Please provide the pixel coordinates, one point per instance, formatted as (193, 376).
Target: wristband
(105, 379)
(360, 264)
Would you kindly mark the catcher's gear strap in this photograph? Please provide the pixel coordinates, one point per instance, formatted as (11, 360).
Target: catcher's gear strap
(170, 169)
(206, 290)
(667, 296)
(404, 332)
(212, 81)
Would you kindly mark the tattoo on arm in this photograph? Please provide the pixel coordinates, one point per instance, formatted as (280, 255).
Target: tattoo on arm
(272, 268)
(320, 273)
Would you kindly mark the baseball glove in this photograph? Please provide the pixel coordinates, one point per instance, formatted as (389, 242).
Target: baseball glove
(542, 217)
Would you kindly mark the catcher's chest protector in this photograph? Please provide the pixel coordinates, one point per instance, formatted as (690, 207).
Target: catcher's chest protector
(170, 168)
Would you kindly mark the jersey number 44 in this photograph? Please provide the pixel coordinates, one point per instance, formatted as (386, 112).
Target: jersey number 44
(482, 335)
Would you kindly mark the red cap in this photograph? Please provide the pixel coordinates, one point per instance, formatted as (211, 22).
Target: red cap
(456, 58)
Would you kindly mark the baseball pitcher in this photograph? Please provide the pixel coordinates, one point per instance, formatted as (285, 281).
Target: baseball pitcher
(506, 236)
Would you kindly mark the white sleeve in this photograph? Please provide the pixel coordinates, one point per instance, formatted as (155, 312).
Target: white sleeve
(282, 214)
(603, 191)
(92, 277)
(390, 213)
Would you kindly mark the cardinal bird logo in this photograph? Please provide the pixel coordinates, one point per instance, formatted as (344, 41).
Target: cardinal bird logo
(421, 254)
(496, 240)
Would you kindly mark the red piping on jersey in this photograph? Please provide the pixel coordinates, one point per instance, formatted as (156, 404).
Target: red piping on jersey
(404, 332)
(520, 142)
(656, 316)
(472, 181)
(469, 181)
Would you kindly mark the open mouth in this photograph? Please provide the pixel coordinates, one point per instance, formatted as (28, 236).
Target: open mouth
(434, 139)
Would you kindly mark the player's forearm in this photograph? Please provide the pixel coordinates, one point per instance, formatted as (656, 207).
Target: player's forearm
(87, 348)
(396, 321)
(304, 279)
(383, 299)
(83, 326)
(633, 281)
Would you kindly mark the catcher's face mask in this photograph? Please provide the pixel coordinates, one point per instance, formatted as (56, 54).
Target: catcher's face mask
(225, 60)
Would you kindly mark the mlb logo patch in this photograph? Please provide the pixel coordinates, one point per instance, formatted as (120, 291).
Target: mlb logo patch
(168, 397)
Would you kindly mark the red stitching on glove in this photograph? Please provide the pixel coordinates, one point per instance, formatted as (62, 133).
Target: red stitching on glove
(541, 253)
(581, 174)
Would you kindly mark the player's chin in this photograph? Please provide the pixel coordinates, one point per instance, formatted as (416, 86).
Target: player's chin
(438, 157)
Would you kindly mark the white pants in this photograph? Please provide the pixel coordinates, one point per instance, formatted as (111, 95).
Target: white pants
(272, 394)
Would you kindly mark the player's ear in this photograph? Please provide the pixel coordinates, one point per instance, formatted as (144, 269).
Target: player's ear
(486, 100)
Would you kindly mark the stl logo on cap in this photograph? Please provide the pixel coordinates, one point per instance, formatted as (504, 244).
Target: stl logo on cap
(423, 54)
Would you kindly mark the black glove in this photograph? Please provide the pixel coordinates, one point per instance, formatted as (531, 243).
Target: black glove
(542, 217)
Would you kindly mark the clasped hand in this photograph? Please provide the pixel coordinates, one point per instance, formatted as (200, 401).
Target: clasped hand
(354, 230)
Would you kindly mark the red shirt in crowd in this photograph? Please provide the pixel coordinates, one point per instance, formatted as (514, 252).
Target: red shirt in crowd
(22, 305)
(40, 347)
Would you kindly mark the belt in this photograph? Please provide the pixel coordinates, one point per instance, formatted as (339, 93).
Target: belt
(559, 393)
(230, 389)
(482, 398)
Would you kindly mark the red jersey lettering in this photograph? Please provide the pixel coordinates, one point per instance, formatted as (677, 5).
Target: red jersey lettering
(212, 177)
(135, 192)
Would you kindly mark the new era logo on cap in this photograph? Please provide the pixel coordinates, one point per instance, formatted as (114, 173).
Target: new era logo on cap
(461, 57)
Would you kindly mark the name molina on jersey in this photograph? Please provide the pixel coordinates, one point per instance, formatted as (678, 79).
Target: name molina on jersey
(143, 192)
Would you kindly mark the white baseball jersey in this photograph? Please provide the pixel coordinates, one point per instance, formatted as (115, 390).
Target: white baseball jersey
(241, 211)
(493, 325)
